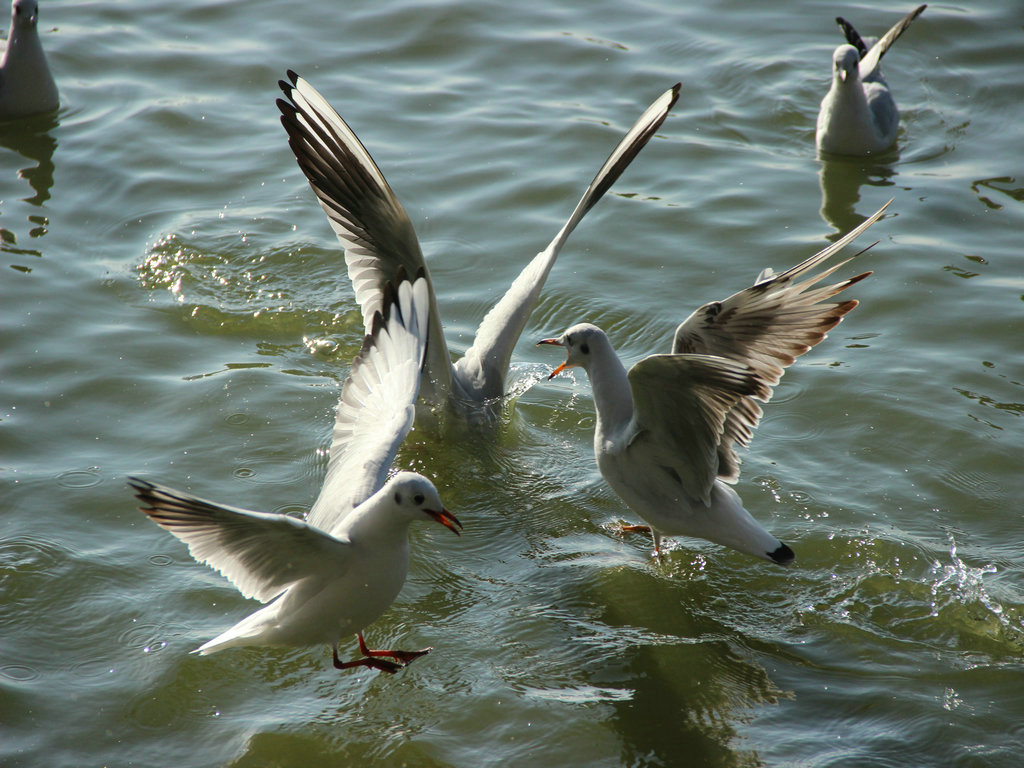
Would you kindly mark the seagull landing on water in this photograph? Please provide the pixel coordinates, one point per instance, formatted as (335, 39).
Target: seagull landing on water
(667, 429)
(337, 571)
(858, 115)
(378, 237)
(26, 85)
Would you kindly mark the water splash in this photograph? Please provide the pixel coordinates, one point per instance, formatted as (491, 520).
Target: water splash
(962, 582)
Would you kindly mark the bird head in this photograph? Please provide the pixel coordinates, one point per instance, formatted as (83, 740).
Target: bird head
(579, 342)
(415, 496)
(846, 64)
(25, 12)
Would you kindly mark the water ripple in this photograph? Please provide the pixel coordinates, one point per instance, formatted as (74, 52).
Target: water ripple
(80, 478)
(19, 673)
(27, 564)
(150, 638)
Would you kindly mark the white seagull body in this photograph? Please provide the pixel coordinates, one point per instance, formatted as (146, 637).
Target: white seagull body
(378, 237)
(667, 429)
(858, 115)
(337, 571)
(26, 85)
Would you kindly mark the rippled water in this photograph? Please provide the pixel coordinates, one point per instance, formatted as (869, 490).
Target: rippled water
(174, 306)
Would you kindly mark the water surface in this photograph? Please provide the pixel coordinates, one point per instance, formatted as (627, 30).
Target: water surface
(174, 306)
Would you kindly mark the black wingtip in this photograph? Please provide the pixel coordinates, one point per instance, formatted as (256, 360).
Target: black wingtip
(288, 85)
(783, 555)
(139, 485)
(852, 36)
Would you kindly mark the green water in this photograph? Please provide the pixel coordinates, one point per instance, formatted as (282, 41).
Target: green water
(173, 305)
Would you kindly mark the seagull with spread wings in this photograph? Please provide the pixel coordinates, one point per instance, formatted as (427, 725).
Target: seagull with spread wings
(667, 429)
(378, 236)
(858, 115)
(338, 570)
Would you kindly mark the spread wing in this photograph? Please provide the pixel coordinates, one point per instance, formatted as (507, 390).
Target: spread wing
(376, 410)
(363, 211)
(766, 327)
(852, 36)
(261, 554)
(869, 61)
(681, 404)
(486, 362)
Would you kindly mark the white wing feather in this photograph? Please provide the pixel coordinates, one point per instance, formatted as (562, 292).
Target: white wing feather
(261, 554)
(766, 327)
(482, 370)
(680, 405)
(870, 61)
(363, 211)
(376, 409)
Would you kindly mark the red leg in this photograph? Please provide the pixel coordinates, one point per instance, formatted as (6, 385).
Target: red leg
(375, 659)
(623, 528)
(379, 664)
(634, 528)
(402, 656)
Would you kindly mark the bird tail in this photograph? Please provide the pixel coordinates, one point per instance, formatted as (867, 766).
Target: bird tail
(249, 631)
(730, 525)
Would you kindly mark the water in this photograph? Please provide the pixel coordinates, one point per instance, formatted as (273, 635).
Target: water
(174, 306)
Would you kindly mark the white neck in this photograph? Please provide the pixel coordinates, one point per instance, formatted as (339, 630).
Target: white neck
(372, 524)
(613, 398)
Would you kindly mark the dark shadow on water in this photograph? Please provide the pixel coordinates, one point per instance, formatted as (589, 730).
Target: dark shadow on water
(31, 138)
(841, 178)
(694, 683)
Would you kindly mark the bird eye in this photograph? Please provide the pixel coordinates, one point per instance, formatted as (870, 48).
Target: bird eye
(398, 497)
(418, 498)
(585, 349)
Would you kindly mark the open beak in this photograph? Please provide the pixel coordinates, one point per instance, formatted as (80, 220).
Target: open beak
(447, 519)
(560, 368)
(557, 371)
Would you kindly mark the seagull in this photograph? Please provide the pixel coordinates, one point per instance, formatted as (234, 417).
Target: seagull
(378, 237)
(668, 428)
(26, 85)
(335, 572)
(858, 115)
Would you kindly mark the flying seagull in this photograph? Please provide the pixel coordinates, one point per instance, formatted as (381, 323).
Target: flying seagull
(667, 429)
(338, 570)
(378, 237)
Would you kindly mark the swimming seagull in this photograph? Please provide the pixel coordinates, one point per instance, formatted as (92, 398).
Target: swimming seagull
(667, 430)
(378, 236)
(26, 85)
(858, 115)
(339, 569)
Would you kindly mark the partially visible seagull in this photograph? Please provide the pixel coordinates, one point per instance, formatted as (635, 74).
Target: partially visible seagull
(378, 237)
(337, 571)
(858, 115)
(667, 430)
(26, 85)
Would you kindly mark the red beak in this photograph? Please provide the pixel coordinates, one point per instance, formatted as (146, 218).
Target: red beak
(557, 371)
(447, 519)
(560, 368)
